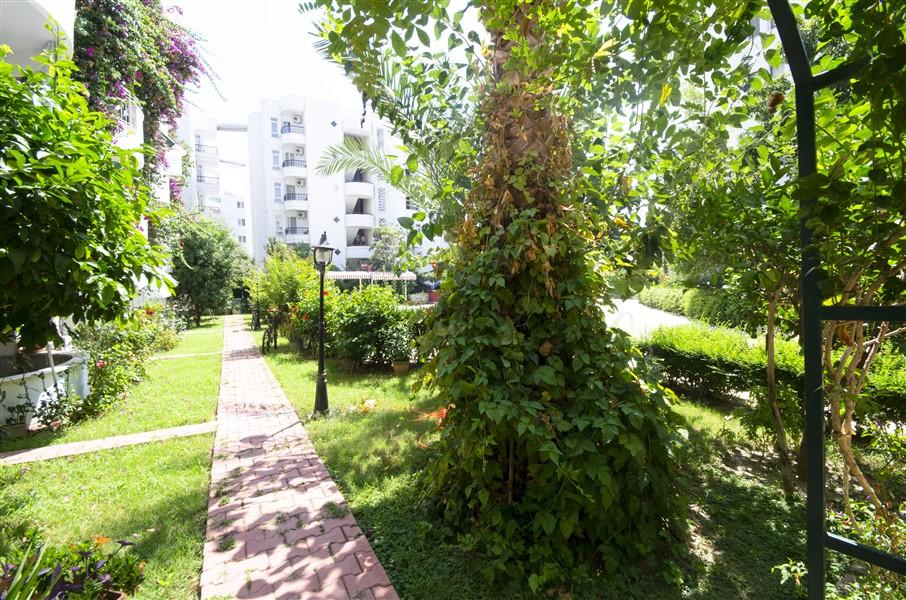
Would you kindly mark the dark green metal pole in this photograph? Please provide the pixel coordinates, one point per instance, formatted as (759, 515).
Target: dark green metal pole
(321, 405)
(801, 71)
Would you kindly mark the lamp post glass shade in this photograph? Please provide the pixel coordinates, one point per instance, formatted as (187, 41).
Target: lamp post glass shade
(322, 253)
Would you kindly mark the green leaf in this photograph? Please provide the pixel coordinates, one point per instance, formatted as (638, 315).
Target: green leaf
(396, 175)
(412, 163)
(406, 222)
(399, 46)
(548, 522)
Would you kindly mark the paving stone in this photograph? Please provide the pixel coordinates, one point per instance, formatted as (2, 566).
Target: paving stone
(275, 493)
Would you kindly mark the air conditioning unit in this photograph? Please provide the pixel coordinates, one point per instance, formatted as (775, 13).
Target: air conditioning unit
(297, 119)
(303, 215)
(300, 182)
(300, 150)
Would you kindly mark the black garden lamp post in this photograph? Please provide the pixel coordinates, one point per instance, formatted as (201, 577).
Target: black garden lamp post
(323, 255)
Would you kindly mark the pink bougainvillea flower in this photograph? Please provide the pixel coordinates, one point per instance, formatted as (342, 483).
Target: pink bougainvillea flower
(149, 312)
(101, 364)
(89, 51)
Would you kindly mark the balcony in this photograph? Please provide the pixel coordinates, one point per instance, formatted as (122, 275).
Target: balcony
(359, 220)
(359, 189)
(292, 134)
(298, 202)
(295, 167)
(358, 251)
(22, 27)
(204, 151)
(207, 180)
(296, 234)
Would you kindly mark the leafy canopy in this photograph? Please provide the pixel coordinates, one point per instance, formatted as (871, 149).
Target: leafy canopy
(207, 262)
(71, 203)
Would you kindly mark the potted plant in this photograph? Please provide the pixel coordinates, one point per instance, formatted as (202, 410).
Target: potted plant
(398, 348)
(18, 420)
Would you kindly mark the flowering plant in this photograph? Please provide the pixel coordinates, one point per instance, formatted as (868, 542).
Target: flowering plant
(131, 50)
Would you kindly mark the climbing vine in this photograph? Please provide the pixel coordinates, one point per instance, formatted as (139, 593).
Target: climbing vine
(131, 50)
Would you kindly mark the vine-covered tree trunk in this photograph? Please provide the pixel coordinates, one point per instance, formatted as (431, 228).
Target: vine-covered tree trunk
(557, 447)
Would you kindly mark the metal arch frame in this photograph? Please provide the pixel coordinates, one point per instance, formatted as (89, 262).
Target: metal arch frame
(806, 84)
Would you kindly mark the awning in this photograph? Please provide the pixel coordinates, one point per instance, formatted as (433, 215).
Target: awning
(371, 275)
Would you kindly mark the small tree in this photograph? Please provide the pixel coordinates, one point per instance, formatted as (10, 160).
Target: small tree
(284, 278)
(389, 243)
(207, 263)
(70, 205)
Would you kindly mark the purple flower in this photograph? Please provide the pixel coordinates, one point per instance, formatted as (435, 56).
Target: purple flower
(89, 51)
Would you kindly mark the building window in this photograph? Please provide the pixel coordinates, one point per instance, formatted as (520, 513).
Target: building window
(275, 159)
(277, 191)
(275, 127)
(382, 200)
(241, 222)
(380, 139)
(410, 205)
(240, 204)
(241, 239)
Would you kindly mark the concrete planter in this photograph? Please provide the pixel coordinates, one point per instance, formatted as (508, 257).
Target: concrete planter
(39, 386)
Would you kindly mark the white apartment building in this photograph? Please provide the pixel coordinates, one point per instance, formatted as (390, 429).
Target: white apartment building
(293, 202)
(218, 182)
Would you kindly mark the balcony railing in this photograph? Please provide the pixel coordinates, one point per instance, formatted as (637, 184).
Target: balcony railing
(289, 128)
(207, 179)
(294, 162)
(295, 196)
(297, 231)
(205, 149)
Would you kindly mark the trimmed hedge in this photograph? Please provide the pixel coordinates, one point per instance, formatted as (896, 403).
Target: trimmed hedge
(714, 306)
(717, 362)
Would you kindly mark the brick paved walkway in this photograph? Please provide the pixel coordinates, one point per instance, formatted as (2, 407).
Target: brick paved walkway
(47, 452)
(278, 528)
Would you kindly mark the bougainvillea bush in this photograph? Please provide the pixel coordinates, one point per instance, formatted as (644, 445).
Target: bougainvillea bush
(130, 49)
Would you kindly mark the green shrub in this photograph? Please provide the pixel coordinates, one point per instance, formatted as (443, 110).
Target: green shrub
(718, 362)
(715, 306)
(665, 298)
(118, 353)
(301, 326)
(363, 325)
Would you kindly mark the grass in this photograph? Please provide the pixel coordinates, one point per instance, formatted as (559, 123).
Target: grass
(175, 392)
(154, 495)
(740, 526)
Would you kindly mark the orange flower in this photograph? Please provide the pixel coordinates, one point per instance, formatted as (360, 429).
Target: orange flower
(101, 540)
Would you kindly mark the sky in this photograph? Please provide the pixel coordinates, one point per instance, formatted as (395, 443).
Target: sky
(260, 49)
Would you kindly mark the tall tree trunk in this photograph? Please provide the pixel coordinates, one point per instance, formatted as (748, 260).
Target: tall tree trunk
(786, 468)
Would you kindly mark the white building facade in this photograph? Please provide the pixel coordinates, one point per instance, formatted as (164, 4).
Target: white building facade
(261, 179)
(218, 181)
(292, 201)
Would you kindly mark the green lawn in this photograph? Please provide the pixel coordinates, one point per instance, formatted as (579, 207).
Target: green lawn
(178, 391)
(154, 495)
(740, 525)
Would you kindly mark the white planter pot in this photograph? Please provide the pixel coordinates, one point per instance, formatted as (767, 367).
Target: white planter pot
(38, 387)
